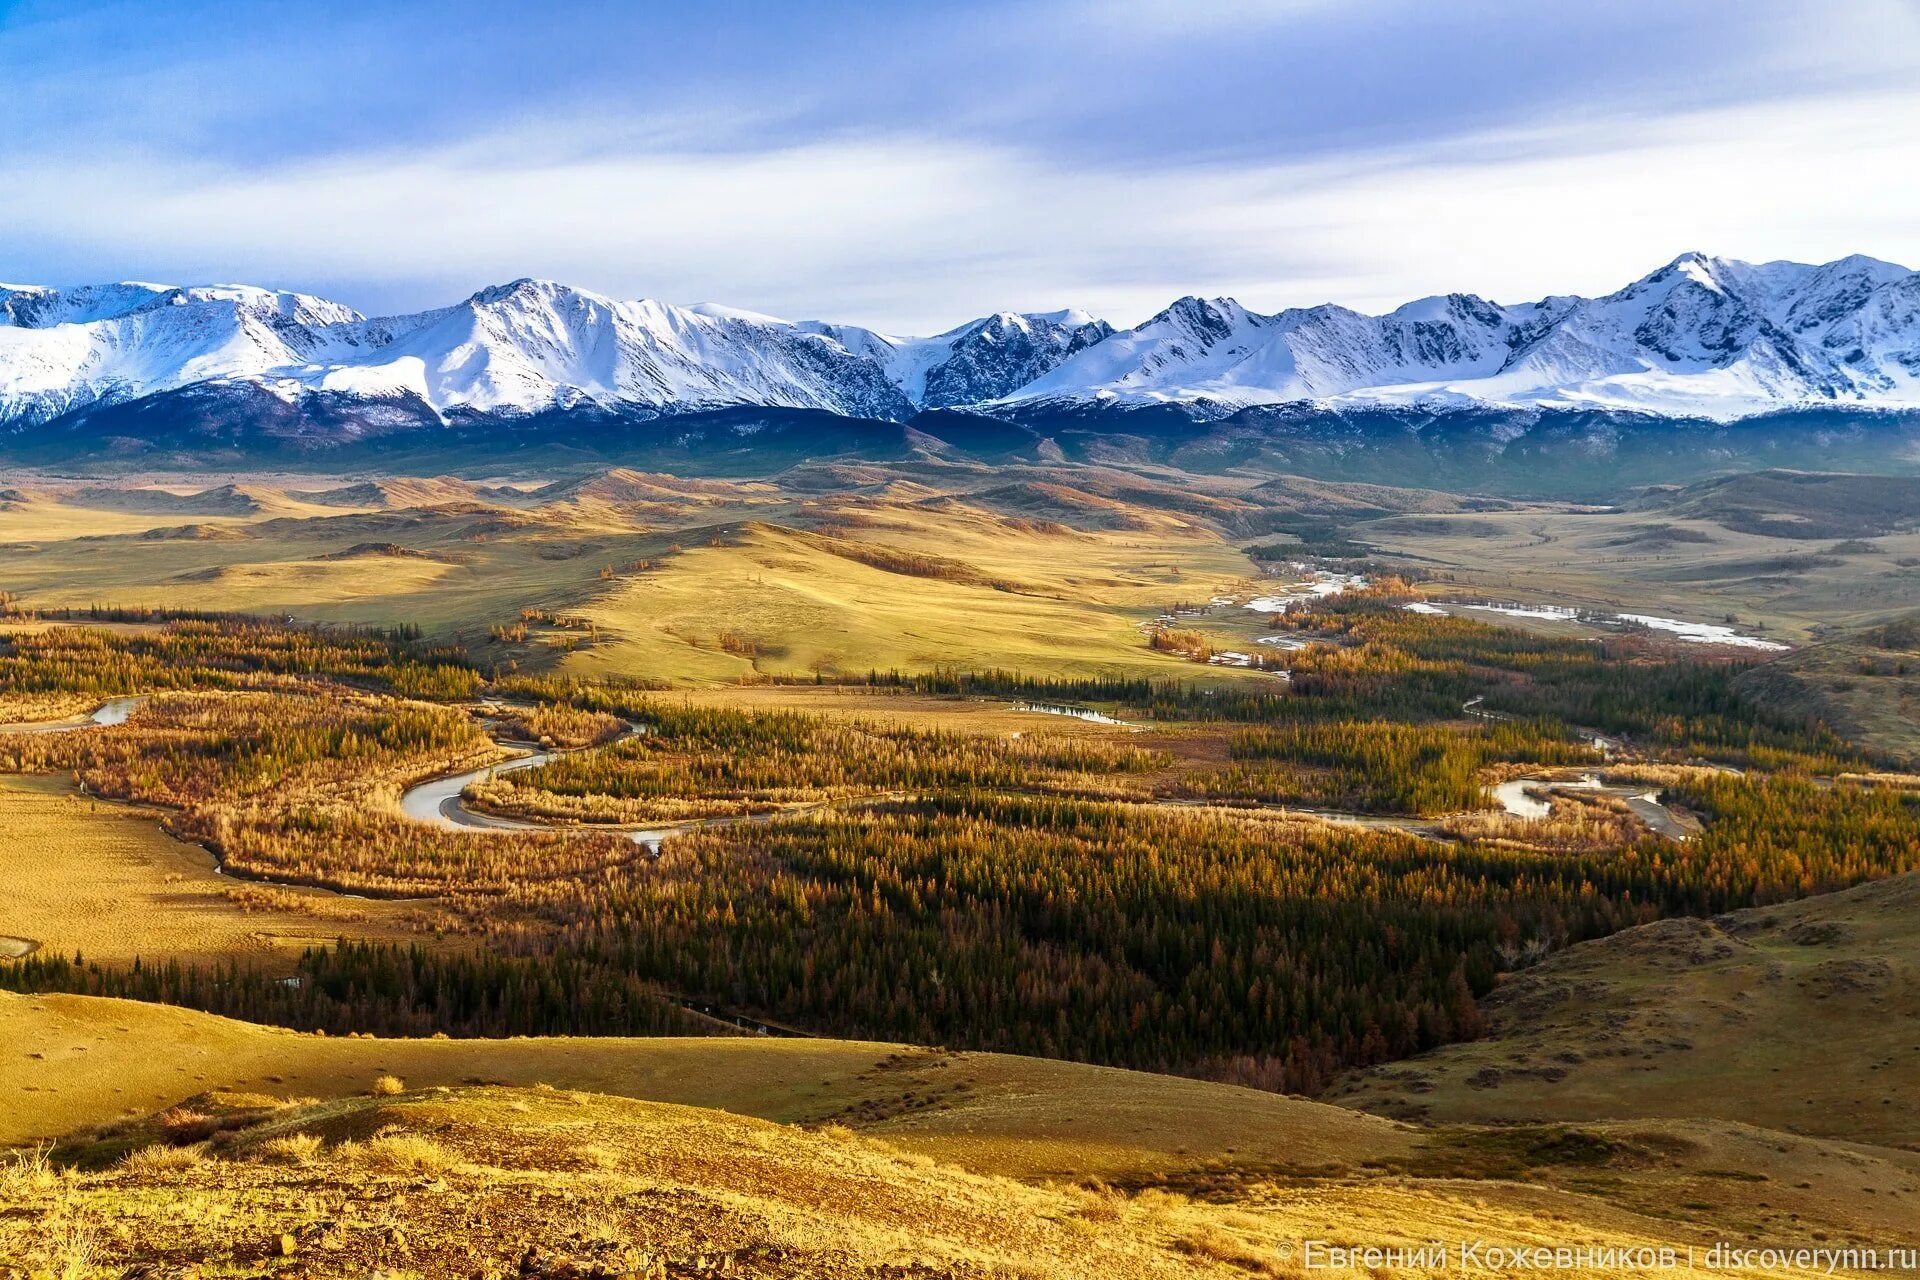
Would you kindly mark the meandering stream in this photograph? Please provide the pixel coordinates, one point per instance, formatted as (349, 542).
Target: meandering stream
(1515, 796)
(112, 711)
(439, 801)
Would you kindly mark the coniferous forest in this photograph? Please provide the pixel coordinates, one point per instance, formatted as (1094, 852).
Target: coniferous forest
(1146, 898)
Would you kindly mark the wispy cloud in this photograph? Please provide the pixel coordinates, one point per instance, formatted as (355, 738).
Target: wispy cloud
(870, 199)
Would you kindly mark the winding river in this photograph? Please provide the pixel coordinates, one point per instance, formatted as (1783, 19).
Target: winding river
(1517, 797)
(112, 711)
(439, 801)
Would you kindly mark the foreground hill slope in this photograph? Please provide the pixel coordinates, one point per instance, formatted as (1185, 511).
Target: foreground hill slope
(1803, 1017)
(891, 1162)
(74, 1060)
(492, 1181)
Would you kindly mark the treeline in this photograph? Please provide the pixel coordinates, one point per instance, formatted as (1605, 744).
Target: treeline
(1773, 838)
(1380, 766)
(704, 761)
(187, 749)
(1398, 659)
(557, 724)
(1379, 661)
(1122, 934)
(1021, 899)
(1240, 947)
(225, 654)
(388, 990)
(1174, 940)
(1098, 932)
(953, 682)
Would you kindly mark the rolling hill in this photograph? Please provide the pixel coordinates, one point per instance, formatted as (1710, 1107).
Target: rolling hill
(1803, 1017)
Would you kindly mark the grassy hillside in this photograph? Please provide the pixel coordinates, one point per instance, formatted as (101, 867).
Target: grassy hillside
(1866, 684)
(211, 1143)
(492, 1181)
(1799, 504)
(1803, 1017)
(76, 1061)
(914, 590)
(630, 573)
(920, 562)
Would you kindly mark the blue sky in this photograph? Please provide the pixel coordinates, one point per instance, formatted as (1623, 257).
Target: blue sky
(909, 165)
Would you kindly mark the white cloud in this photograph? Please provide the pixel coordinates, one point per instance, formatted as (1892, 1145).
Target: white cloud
(915, 234)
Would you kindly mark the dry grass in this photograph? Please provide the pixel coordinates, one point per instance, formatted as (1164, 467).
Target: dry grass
(73, 1061)
(1587, 558)
(481, 1176)
(160, 1158)
(27, 1170)
(767, 599)
(386, 1087)
(397, 1152)
(277, 899)
(102, 879)
(290, 1148)
(690, 581)
(1217, 1245)
(68, 1249)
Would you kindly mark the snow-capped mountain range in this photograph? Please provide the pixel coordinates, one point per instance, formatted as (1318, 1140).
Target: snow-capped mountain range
(1700, 337)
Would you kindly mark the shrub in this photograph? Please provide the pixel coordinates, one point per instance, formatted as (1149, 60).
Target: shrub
(159, 1158)
(390, 1152)
(28, 1169)
(292, 1148)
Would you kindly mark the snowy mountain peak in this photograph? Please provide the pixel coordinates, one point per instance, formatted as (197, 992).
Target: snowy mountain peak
(1697, 267)
(1211, 319)
(1699, 336)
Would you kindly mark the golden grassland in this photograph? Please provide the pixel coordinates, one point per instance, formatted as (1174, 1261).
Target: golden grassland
(490, 1182)
(100, 878)
(53, 513)
(1800, 1017)
(894, 707)
(908, 564)
(829, 1158)
(1626, 1074)
(691, 581)
(74, 1061)
(763, 599)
